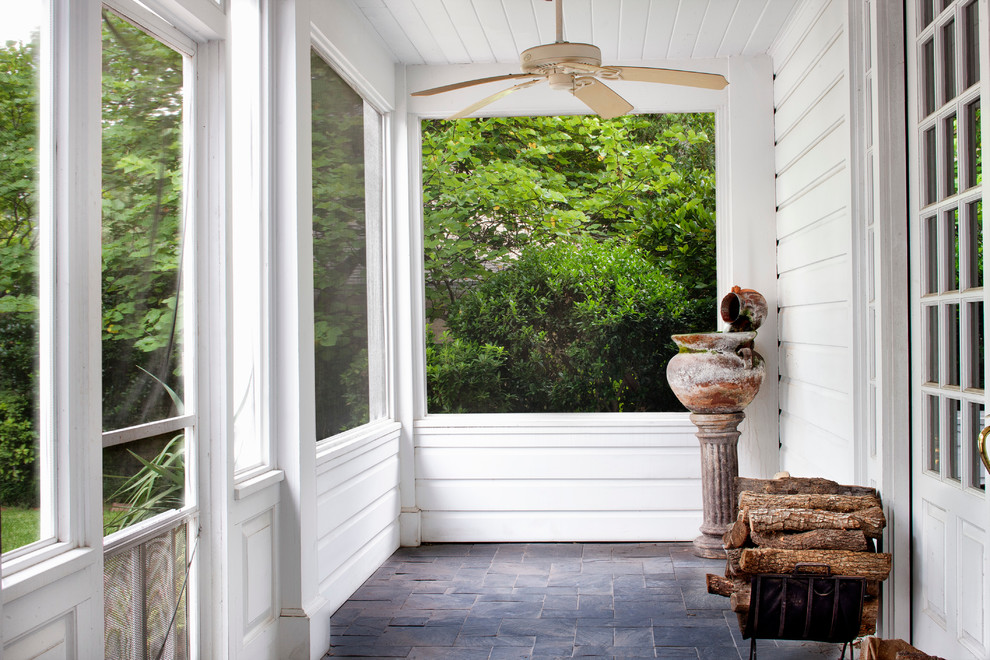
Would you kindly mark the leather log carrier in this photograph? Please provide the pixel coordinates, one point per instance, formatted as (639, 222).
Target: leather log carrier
(809, 604)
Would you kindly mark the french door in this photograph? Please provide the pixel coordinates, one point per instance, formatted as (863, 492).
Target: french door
(947, 57)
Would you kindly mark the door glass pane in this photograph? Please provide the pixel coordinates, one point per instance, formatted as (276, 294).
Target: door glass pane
(974, 145)
(143, 290)
(974, 220)
(977, 473)
(21, 470)
(931, 166)
(952, 248)
(955, 440)
(975, 342)
(932, 434)
(927, 12)
(950, 131)
(949, 61)
(340, 272)
(971, 53)
(931, 255)
(952, 362)
(931, 343)
(928, 77)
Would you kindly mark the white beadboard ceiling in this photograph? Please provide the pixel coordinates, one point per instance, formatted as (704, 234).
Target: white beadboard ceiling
(496, 31)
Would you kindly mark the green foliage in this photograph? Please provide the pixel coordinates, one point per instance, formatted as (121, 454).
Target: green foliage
(466, 376)
(340, 282)
(158, 486)
(142, 223)
(576, 327)
(18, 282)
(18, 452)
(561, 253)
(494, 186)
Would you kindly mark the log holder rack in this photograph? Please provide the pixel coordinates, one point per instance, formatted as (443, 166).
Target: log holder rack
(809, 604)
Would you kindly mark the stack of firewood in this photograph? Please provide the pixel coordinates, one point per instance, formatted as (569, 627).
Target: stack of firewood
(786, 521)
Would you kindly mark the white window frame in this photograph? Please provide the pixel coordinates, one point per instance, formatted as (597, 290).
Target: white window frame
(380, 266)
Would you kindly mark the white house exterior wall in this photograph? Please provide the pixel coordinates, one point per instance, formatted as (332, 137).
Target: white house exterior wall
(812, 131)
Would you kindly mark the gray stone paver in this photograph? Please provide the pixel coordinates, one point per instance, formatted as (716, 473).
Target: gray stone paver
(495, 601)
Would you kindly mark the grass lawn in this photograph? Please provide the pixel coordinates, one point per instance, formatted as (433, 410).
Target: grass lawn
(18, 527)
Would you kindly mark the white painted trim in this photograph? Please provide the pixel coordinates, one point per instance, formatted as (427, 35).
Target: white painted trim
(347, 70)
(248, 487)
(355, 440)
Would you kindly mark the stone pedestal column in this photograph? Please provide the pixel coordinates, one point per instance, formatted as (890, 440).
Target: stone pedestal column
(719, 468)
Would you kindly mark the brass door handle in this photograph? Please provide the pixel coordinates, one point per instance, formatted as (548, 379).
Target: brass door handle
(983, 447)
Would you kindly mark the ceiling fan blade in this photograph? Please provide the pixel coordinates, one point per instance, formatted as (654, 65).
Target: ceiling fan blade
(672, 77)
(491, 99)
(470, 83)
(600, 98)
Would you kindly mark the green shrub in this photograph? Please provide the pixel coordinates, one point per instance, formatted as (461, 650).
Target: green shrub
(580, 327)
(465, 376)
(18, 453)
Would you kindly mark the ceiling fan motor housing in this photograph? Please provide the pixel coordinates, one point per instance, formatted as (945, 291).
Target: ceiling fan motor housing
(539, 59)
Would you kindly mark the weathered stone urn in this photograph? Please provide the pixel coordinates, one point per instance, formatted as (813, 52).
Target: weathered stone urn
(716, 375)
(716, 372)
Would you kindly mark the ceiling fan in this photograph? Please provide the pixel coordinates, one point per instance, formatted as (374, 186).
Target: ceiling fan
(577, 68)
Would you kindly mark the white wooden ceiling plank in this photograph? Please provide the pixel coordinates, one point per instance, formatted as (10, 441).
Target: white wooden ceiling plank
(522, 22)
(741, 26)
(393, 34)
(408, 16)
(660, 25)
(440, 25)
(690, 15)
(578, 21)
(765, 31)
(605, 28)
(713, 28)
(469, 28)
(546, 19)
(633, 17)
(491, 15)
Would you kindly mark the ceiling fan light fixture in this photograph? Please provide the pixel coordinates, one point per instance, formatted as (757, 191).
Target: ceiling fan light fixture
(540, 59)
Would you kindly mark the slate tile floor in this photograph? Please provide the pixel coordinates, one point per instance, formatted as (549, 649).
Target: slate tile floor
(505, 601)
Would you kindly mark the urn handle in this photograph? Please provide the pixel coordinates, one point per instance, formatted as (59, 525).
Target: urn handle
(746, 353)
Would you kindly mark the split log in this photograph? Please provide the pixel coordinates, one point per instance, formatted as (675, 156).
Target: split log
(799, 485)
(722, 586)
(732, 567)
(817, 539)
(874, 648)
(868, 623)
(738, 533)
(871, 521)
(915, 655)
(822, 501)
(742, 617)
(872, 566)
(739, 601)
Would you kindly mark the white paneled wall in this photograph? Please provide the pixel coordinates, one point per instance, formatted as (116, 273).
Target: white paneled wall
(814, 242)
(567, 477)
(357, 486)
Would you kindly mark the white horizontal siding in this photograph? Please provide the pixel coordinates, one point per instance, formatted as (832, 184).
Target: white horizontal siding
(558, 478)
(357, 489)
(814, 241)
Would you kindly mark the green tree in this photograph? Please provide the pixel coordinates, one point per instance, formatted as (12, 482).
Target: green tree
(18, 273)
(142, 224)
(493, 186)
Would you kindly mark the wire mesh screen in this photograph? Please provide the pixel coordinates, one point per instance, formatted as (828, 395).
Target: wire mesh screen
(144, 604)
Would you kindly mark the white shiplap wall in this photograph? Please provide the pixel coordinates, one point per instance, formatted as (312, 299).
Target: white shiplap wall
(357, 487)
(594, 477)
(815, 242)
